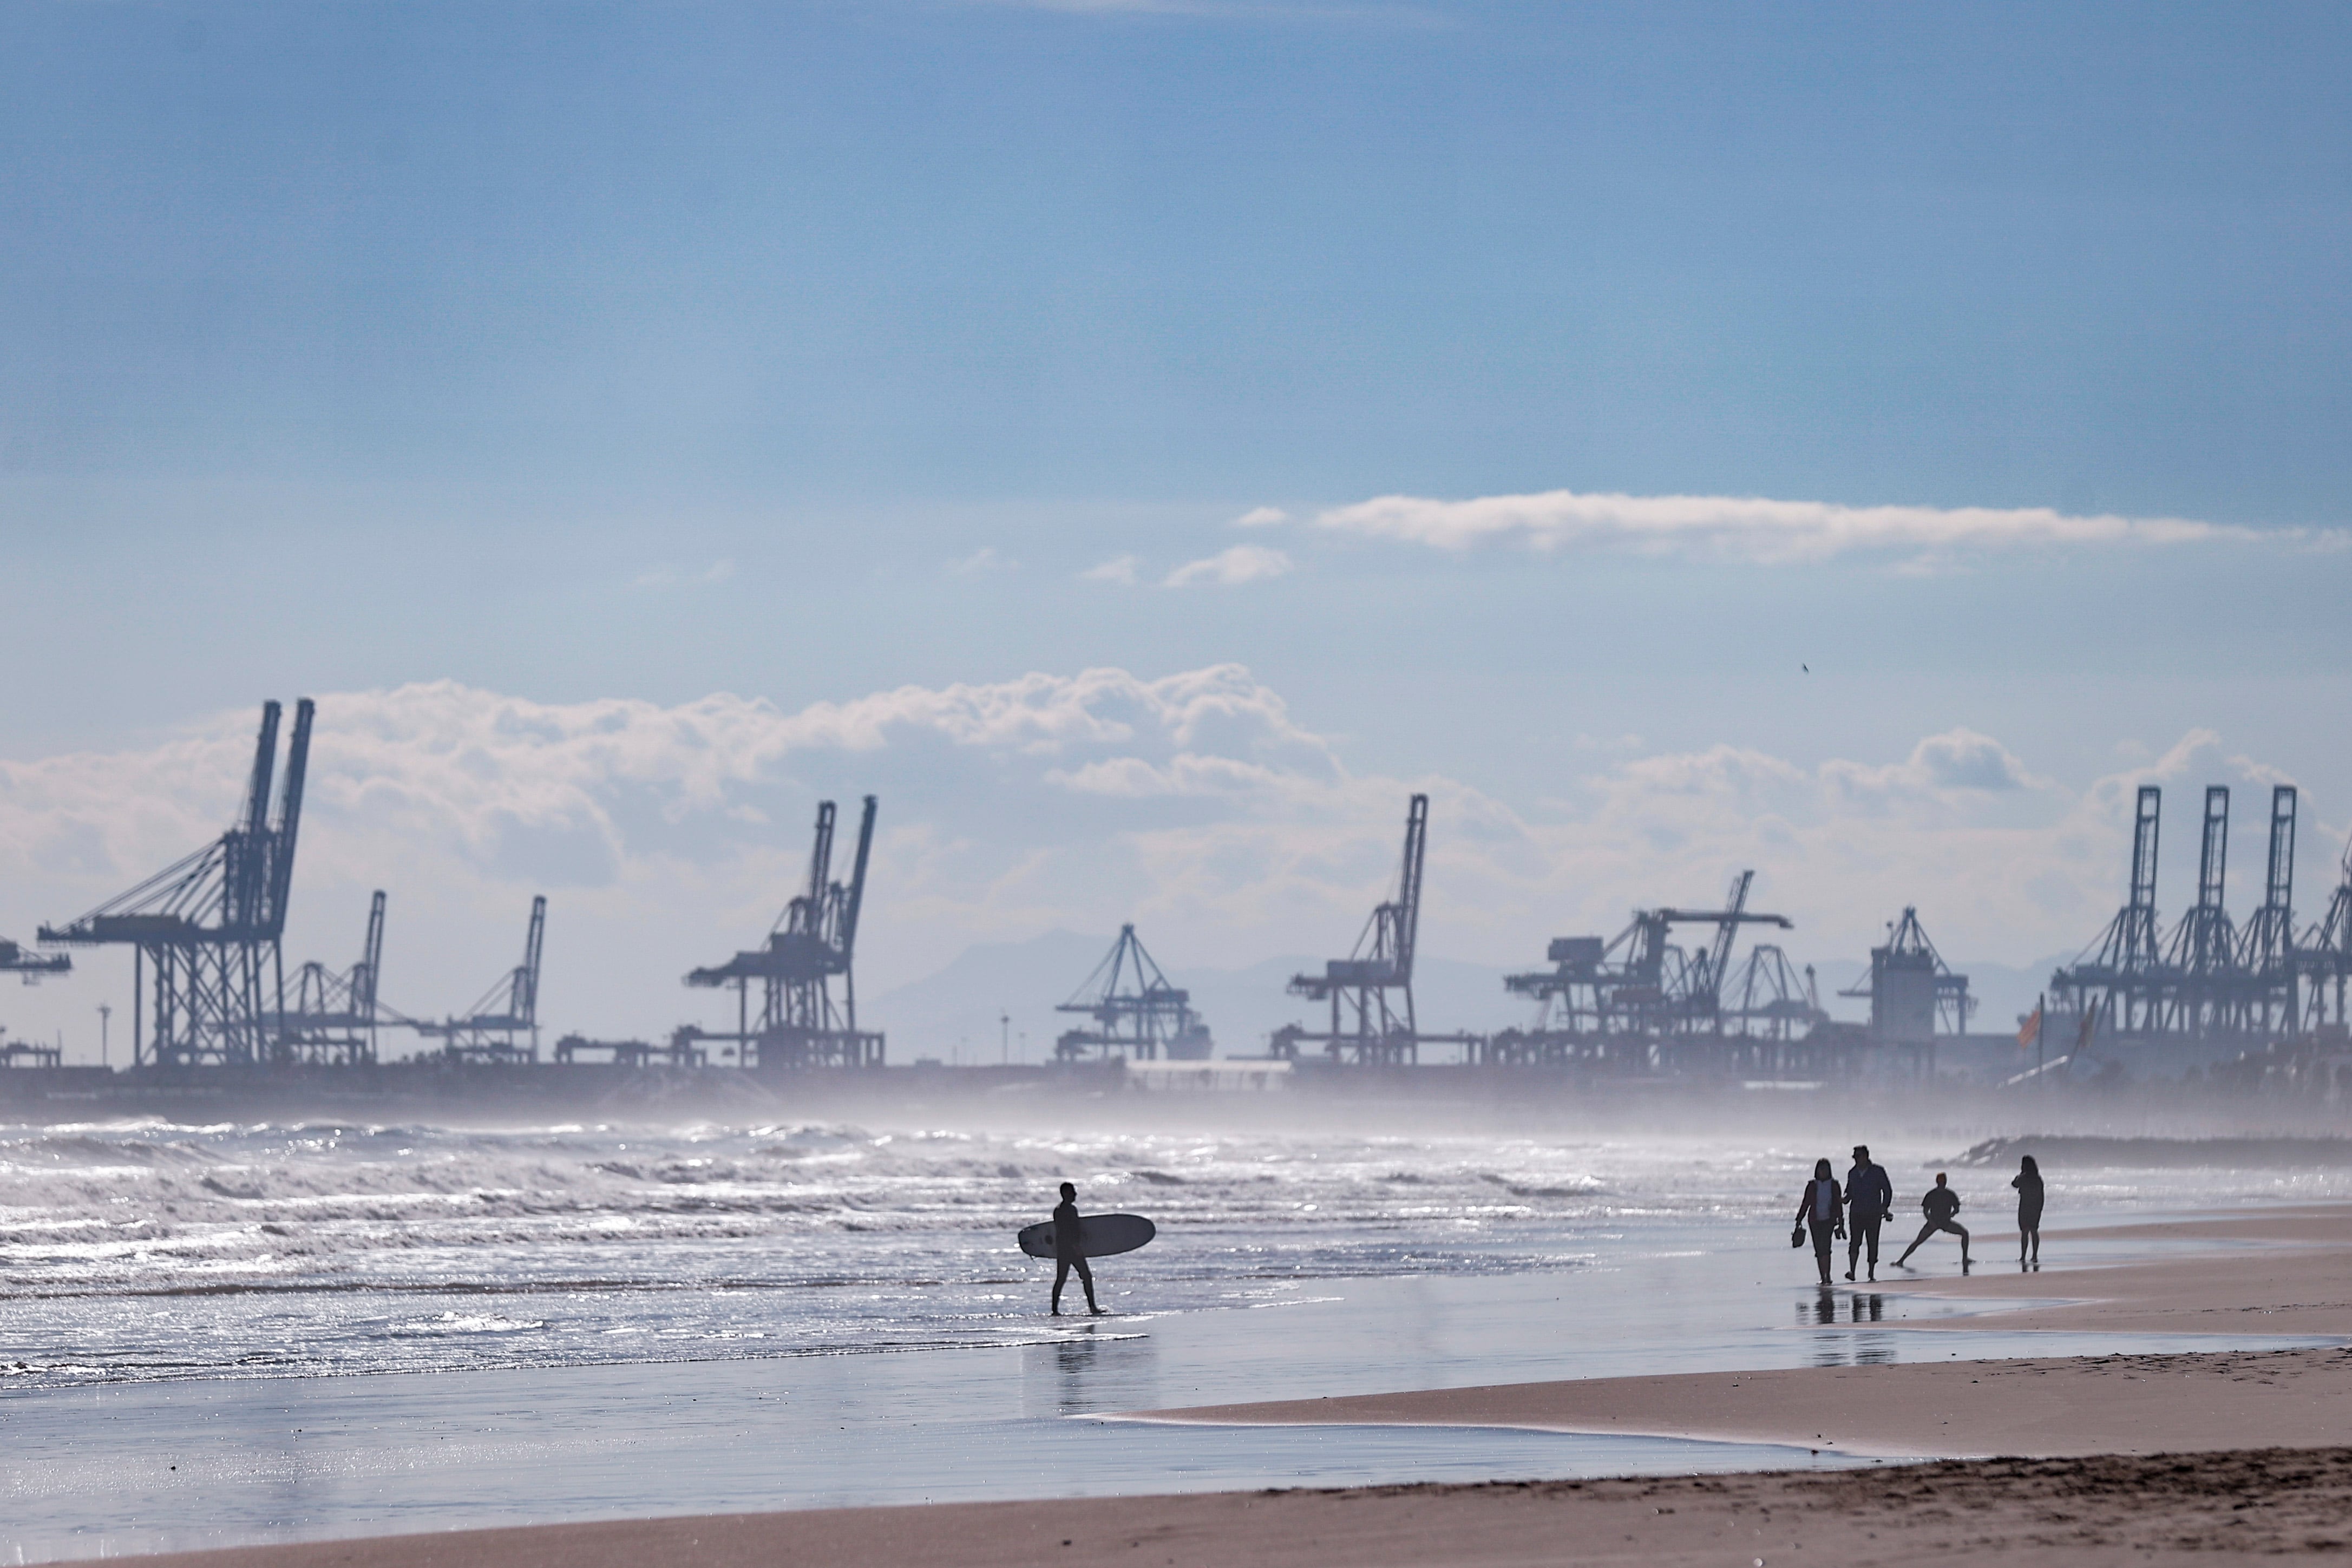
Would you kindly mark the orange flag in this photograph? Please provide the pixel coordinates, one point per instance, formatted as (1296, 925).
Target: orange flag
(2031, 1031)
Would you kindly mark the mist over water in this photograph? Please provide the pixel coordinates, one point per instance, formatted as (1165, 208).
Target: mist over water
(154, 1250)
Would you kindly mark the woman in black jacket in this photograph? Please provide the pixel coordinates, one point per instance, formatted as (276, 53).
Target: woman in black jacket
(2028, 1183)
(1822, 1212)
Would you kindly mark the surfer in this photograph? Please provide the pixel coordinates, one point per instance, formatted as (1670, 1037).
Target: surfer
(1869, 1199)
(1939, 1206)
(1070, 1251)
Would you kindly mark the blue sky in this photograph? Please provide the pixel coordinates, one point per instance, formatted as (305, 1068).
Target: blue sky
(577, 353)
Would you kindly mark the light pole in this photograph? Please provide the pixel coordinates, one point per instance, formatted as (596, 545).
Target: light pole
(1005, 1045)
(104, 1013)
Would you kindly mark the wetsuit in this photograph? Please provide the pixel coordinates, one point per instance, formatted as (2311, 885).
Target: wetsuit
(1070, 1252)
(1869, 1198)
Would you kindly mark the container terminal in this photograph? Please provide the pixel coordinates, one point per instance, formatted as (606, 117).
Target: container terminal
(1670, 1001)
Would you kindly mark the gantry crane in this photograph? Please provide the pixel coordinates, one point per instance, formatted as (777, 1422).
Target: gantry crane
(333, 1016)
(1371, 991)
(208, 927)
(502, 1026)
(813, 942)
(1137, 1013)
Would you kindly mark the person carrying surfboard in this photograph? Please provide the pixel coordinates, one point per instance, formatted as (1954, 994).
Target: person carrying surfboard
(1070, 1250)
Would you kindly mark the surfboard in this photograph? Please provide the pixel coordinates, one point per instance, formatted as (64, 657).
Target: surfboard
(1103, 1233)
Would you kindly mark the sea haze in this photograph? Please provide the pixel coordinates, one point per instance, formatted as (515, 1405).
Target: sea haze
(151, 1250)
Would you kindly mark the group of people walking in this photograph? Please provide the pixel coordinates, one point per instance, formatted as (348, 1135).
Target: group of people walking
(1854, 1211)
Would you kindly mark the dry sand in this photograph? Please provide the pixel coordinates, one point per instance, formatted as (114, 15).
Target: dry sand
(2055, 1513)
(2103, 1479)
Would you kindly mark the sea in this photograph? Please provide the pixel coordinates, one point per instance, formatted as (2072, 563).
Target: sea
(228, 1332)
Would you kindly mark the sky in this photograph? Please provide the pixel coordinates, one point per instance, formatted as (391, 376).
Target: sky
(1143, 442)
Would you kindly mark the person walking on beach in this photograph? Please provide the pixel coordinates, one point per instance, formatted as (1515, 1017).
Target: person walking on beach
(1822, 1211)
(1869, 1199)
(1070, 1251)
(2028, 1183)
(1941, 1204)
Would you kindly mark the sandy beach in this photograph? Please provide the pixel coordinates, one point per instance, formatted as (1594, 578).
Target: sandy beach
(2074, 1513)
(2093, 1456)
(2286, 1273)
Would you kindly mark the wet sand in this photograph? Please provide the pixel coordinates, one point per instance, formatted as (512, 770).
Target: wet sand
(2044, 1408)
(2096, 1473)
(2283, 1273)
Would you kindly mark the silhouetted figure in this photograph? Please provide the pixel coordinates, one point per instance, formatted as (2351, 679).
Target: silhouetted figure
(2028, 1183)
(1070, 1251)
(1941, 1204)
(1823, 1212)
(1869, 1199)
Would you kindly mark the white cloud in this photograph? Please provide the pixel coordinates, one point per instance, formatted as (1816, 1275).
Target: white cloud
(1262, 517)
(1238, 564)
(1957, 760)
(1747, 528)
(1119, 569)
(984, 560)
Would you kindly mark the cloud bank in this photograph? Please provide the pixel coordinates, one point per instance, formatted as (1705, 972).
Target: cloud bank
(1196, 804)
(1748, 528)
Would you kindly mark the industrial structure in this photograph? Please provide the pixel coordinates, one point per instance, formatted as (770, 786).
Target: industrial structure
(1370, 992)
(2268, 993)
(2208, 987)
(1137, 1013)
(1914, 995)
(206, 930)
(1639, 1002)
(502, 1025)
(2324, 961)
(29, 1053)
(333, 1017)
(16, 960)
(681, 1051)
(812, 943)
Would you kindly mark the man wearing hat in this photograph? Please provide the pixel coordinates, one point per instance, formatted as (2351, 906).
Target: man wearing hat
(1869, 1198)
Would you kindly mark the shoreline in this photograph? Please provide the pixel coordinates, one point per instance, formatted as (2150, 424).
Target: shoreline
(2093, 1468)
(2287, 1273)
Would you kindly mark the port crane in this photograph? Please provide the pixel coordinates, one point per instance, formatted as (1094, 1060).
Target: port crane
(503, 1024)
(813, 943)
(206, 930)
(1136, 1012)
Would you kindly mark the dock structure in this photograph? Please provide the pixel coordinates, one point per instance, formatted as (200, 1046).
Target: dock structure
(813, 944)
(1136, 1015)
